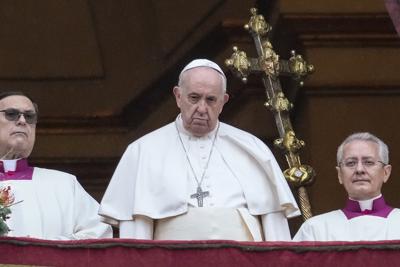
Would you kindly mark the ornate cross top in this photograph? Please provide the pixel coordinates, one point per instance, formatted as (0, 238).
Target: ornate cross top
(271, 67)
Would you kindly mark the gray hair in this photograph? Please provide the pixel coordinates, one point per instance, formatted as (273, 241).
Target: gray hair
(201, 62)
(383, 149)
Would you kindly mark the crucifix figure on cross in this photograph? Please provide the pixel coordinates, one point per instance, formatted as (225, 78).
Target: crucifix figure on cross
(271, 67)
(200, 195)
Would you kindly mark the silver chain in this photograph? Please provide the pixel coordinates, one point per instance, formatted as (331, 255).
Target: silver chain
(188, 159)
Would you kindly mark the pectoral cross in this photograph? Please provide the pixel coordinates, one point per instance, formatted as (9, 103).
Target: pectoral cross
(271, 67)
(200, 195)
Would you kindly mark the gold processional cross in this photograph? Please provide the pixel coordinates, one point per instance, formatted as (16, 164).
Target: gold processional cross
(271, 67)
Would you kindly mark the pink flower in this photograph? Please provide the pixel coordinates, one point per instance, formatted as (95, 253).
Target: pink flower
(6, 196)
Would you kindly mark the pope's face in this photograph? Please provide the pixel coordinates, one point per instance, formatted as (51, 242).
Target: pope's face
(364, 180)
(200, 99)
(16, 137)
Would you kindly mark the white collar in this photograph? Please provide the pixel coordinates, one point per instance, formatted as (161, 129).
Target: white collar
(366, 204)
(181, 129)
(9, 164)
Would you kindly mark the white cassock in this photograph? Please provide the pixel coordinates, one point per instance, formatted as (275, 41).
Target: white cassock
(54, 206)
(338, 225)
(152, 186)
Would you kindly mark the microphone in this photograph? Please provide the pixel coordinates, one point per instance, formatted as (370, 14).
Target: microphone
(7, 154)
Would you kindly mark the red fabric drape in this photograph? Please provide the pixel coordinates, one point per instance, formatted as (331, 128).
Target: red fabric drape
(393, 7)
(126, 252)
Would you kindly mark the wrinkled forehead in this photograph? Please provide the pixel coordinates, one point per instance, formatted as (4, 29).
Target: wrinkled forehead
(361, 149)
(17, 102)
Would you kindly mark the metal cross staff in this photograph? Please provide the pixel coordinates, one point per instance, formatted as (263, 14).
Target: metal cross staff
(269, 64)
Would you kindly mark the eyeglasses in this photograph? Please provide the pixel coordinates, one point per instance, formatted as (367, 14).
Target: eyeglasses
(12, 114)
(366, 163)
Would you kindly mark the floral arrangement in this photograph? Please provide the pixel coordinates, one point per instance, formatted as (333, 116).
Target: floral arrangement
(6, 200)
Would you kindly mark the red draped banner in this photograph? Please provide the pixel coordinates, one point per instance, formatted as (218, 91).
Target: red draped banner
(127, 252)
